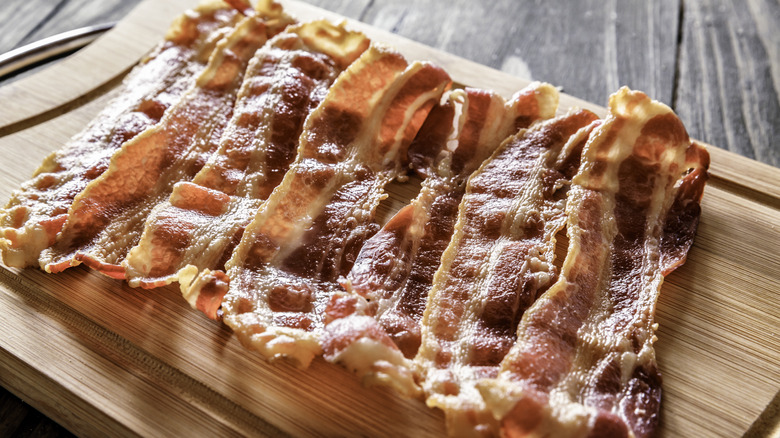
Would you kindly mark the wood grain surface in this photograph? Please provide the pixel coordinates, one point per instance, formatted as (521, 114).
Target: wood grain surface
(136, 352)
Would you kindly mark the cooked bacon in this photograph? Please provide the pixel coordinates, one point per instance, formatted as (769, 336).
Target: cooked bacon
(308, 232)
(203, 220)
(583, 363)
(35, 214)
(241, 5)
(394, 270)
(106, 219)
(498, 261)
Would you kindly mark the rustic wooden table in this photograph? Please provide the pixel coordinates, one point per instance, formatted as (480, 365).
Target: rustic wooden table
(715, 62)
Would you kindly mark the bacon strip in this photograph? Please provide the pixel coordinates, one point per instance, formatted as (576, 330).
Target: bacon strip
(584, 363)
(36, 213)
(498, 261)
(106, 219)
(204, 219)
(393, 274)
(308, 232)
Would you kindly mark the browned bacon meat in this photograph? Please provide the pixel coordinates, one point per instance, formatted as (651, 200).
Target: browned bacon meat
(390, 280)
(584, 363)
(498, 261)
(35, 214)
(106, 219)
(310, 229)
(203, 220)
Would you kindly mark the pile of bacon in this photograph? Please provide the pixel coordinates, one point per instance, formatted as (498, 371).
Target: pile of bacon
(247, 155)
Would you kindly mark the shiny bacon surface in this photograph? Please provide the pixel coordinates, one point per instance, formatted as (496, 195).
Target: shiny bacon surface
(498, 261)
(310, 229)
(36, 213)
(393, 274)
(107, 217)
(204, 219)
(584, 364)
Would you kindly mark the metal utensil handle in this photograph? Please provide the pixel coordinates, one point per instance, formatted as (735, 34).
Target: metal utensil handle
(52, 46)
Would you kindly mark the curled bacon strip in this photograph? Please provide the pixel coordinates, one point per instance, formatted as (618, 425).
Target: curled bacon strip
(394, 271)
(498, 261)
(583, 363)
(106, 219)
(36, 213)
(308, 232)
(202, 222)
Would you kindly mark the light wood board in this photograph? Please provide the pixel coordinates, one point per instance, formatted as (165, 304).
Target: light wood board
(102, 358)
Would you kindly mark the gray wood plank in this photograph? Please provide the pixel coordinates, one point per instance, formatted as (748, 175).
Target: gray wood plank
(588, 47)
(727, 93)
(646, 35)
(73, 14)
(349, 8)
(19, 18)
(62, 16)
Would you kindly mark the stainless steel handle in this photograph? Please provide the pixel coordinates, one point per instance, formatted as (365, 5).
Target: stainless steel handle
(50, 47)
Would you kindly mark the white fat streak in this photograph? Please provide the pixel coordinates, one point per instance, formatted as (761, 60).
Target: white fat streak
(187, 276)
(213, 237)
(295, 345)
(139, 260)
(431, 187)
(375, 363)
(243, 28)
(409, 112)
(460, 103)
(25, 238)
(203, 8)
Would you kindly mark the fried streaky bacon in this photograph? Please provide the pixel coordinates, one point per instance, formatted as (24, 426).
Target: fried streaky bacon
(498, 261)
(393, 273)
(35, 213)
(584, 364)
(106, 219)
(308, 232)
(202, 222)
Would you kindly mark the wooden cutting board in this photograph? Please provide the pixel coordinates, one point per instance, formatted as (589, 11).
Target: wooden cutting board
(103, 359)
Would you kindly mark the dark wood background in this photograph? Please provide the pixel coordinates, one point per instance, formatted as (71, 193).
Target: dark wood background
(715, 62)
